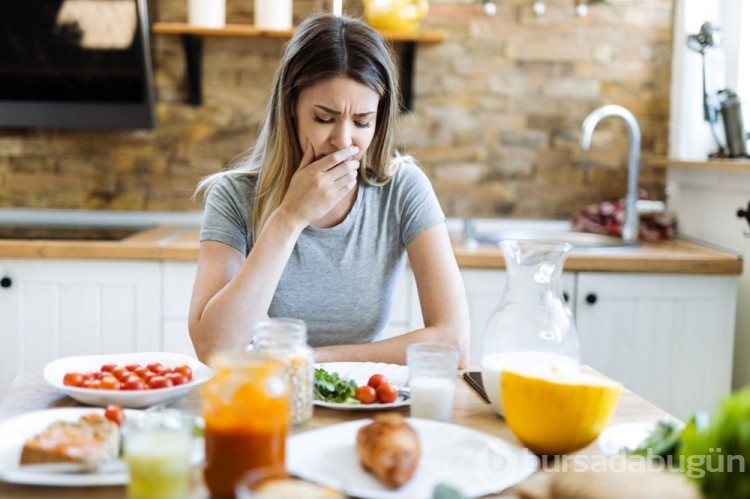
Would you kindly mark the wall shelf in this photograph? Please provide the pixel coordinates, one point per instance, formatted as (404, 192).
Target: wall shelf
(724, 163)
(192, 41)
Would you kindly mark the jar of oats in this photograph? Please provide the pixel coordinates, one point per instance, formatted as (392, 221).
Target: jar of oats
(286, 340)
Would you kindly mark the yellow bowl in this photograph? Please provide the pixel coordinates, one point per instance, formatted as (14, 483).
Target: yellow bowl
(554, 412)
(396, 15)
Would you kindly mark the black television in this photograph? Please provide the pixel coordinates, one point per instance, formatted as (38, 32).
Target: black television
(83, 64)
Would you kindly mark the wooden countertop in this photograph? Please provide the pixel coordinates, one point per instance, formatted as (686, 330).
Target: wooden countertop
(181, 243)
(31, 393)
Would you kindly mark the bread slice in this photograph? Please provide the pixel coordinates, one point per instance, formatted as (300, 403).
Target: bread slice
(92, 440)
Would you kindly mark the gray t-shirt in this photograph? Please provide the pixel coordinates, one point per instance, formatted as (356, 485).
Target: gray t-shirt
(341, 280)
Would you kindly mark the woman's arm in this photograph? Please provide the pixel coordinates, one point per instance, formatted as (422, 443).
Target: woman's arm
(441, 296)
(232, 292)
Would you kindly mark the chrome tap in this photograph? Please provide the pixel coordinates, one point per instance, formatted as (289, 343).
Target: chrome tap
(630, 228)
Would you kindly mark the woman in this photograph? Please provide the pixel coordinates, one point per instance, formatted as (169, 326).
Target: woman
(316, 222)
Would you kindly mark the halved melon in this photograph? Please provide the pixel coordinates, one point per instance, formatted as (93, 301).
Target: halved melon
(557, 412)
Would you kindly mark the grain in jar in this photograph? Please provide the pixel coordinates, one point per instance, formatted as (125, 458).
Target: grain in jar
(286, 340)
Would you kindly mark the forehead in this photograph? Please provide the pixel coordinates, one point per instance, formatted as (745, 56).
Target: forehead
(339, 92)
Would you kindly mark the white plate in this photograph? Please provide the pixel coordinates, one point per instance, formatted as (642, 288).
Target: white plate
(472, 462)
(360, 372)
(14, 432)
(624, 436)
(134, 399)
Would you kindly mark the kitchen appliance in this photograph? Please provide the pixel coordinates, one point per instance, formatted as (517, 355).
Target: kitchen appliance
(725, 105)
(734, 129)
(76, 64)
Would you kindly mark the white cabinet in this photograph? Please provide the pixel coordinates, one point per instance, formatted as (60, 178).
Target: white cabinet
(56, 308)
(176, 291)
(668, 338)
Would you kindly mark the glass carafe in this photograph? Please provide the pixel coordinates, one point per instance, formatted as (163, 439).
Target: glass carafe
(532, 325)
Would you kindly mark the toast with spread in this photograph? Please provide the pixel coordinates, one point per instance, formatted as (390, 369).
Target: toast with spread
(92, 440)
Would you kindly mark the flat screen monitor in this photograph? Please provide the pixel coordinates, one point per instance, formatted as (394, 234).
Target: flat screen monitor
(82, 64)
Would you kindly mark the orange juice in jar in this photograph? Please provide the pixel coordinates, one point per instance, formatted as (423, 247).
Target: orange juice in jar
(246, 410)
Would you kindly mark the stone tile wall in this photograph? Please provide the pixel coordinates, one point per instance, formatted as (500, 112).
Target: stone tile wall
(496, 113)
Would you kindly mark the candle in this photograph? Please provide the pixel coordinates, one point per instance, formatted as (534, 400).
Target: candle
(337, 7)
(207, 13)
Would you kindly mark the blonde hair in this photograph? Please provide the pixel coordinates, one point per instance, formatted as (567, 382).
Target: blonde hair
(322, 47)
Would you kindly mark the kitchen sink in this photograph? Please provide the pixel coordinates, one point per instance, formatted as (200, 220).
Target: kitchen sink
(579, 240)
(492, 231)
(67, 232)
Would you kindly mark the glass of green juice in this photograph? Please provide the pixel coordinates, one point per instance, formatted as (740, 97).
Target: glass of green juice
(157, 447)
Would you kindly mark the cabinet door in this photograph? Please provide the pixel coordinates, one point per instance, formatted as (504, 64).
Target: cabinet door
(58, 308)
(484, 290)
(177, 290)
(667, 338)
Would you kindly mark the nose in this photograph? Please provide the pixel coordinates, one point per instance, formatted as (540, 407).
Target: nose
(341, 136)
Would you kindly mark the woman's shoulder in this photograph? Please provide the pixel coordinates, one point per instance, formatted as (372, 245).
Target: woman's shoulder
(409, 172)
(235, 184)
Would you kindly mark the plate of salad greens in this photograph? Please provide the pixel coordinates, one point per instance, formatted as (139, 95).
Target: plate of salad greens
(336, 385)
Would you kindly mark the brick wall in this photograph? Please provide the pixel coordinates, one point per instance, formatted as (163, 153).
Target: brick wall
(496, 116)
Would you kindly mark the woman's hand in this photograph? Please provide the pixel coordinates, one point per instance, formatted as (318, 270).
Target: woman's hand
(318, 185)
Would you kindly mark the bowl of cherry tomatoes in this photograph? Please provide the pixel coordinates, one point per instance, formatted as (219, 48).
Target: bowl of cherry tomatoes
(132, 380)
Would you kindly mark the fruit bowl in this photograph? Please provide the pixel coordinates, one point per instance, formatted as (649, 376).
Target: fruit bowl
(395, 15)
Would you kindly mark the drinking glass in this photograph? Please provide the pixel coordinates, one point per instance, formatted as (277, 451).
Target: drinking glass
(157, 447)
(433, 368)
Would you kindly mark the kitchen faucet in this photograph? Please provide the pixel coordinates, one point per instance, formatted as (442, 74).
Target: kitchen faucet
(630, 227)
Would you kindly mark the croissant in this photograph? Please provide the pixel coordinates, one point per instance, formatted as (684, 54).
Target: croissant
(389, 449)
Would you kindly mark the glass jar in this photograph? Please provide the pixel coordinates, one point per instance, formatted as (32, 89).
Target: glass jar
(245, 406)
(286, 340)
(532, 325)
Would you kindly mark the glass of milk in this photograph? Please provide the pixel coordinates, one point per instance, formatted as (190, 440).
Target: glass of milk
(433, 368)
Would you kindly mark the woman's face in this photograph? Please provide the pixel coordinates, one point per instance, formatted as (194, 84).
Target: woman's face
(336, 113)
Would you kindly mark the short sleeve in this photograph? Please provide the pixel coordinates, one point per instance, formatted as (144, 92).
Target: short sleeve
(226, 212)
(419, 206)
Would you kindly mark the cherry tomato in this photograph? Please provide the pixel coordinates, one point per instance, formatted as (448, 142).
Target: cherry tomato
(73, 379)
(386, 394)
(177, 378)
(163, 371)
(94, 384)
(132, 366)
(134, 383)
(376, 380)
(110, 383)
(107, 368)
(141, 371)
(365, 394)
(154, 367)
(160, 382)
(115, 414)
(149, 376)
(184, 370)
(118, 371)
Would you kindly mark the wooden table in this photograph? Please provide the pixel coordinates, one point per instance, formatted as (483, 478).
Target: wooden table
(31, 393)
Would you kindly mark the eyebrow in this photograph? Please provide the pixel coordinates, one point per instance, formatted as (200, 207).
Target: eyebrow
(333, 111)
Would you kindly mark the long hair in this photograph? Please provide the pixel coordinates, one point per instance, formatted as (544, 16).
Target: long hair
(322, 47)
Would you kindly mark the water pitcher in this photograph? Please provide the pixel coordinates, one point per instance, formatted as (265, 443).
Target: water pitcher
(532, 325)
